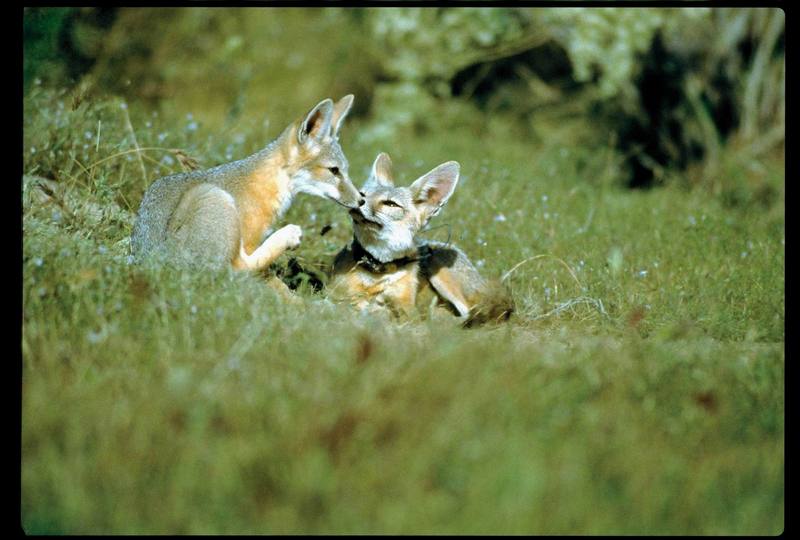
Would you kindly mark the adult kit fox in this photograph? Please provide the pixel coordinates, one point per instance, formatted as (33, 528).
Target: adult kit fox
(221, 215)
(387, 266)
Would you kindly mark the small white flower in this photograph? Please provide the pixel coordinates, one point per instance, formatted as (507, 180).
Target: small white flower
(95, 337)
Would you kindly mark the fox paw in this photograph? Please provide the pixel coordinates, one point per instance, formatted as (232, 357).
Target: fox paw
(290, 236)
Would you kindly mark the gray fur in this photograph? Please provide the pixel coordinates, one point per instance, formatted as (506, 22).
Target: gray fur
(494, 303)
(158, 205)
(386, 228)
(207, 225)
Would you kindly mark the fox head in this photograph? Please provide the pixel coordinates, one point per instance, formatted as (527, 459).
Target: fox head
(314, 158)
(391, 216)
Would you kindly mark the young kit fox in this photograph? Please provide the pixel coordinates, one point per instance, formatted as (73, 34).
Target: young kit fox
(222, 215)
(387, 266)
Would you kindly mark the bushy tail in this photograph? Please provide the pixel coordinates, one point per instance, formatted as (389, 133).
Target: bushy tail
(455, 279)
(495, 305)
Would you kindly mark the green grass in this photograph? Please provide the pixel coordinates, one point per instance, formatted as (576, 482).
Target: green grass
(639, 389)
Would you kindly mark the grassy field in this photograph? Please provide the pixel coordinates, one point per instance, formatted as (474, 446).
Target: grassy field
(639, 388)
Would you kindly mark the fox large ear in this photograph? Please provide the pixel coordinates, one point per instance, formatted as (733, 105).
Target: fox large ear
(340, 110)
(381, 174)
(317, 124)
(432, 190)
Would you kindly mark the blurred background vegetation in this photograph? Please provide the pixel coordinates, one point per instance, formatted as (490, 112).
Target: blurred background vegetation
(665, 87)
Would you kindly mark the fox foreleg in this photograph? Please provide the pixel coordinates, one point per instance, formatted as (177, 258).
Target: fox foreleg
(285, 238)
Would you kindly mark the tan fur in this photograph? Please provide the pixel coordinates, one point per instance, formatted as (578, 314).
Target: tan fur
(454, 278)
(261, 201)
(449, 288)
(443, 277)
(221, 215)
(397, 289)
(395, 271)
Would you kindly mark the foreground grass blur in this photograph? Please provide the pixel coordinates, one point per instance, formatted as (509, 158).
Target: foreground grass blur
(639, 388)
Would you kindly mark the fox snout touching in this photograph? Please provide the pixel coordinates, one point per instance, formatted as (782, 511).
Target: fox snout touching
(388, 266)
(318, 163)
(225, 215)
(386, 225)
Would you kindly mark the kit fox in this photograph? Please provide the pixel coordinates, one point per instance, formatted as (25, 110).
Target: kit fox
(224, 215)
(387, 266)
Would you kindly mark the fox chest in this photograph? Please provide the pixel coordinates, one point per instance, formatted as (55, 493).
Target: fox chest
(398, 290)
(263, 203)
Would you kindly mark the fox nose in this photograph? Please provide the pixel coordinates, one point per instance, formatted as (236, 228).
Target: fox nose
(361, 202)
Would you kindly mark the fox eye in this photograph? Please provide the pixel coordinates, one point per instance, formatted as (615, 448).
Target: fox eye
(334, 171)
(391, 203)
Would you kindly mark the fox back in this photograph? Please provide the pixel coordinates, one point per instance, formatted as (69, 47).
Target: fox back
(387, 265)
